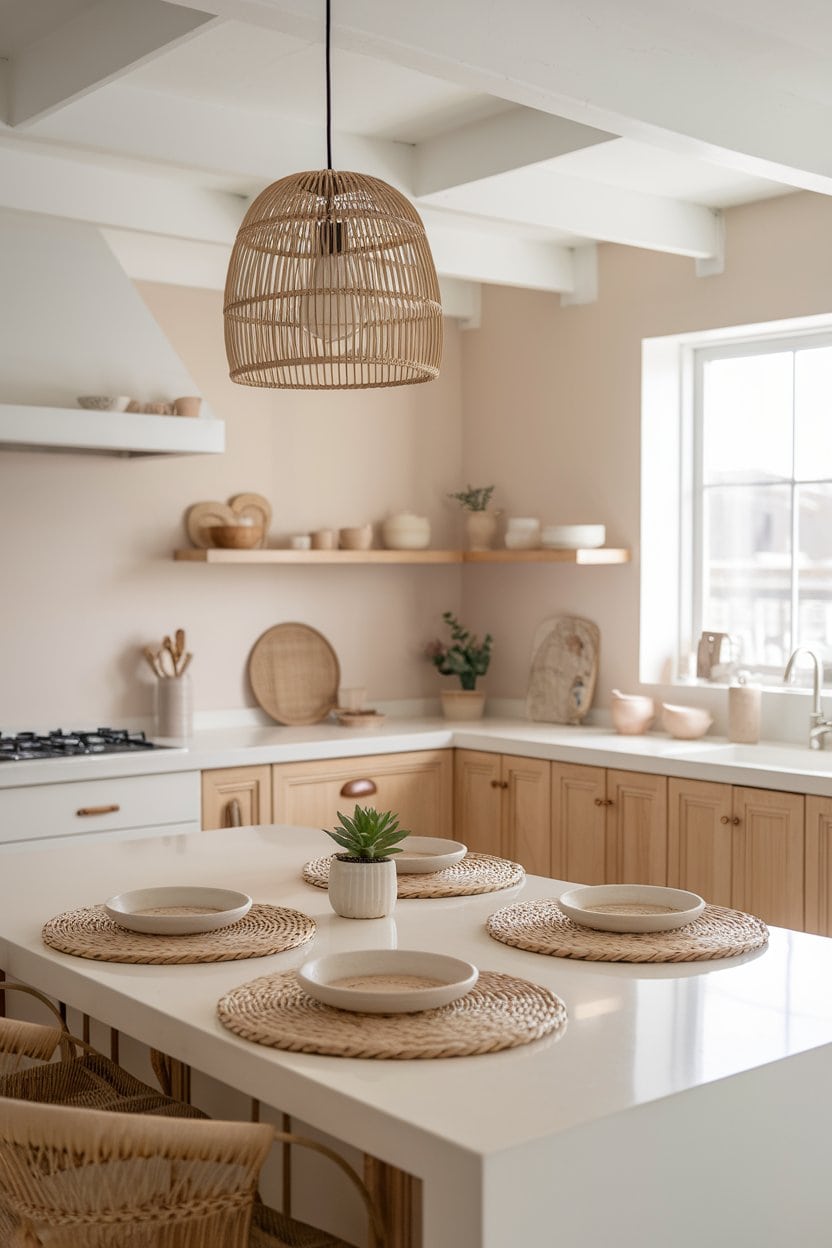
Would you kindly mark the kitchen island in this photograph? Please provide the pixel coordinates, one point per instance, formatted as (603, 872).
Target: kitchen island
(683, 1103)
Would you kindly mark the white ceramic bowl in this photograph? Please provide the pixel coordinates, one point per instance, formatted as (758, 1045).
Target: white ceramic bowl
(522, 522)
(632, 713)
(387, 981)
(669, 907)
(406, 532)
(573, 536)
(200, 909)
(421, 854)
(686, 723)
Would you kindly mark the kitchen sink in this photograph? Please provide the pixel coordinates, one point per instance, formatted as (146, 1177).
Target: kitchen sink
(774, 757)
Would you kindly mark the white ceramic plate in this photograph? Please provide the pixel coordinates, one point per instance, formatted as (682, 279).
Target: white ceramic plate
(387, 981)
(617, 907)
(421, 854)
(177, 910)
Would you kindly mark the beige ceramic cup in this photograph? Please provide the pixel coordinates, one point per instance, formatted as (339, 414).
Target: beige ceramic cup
(356, 538)
(324, 539)
(189, 405)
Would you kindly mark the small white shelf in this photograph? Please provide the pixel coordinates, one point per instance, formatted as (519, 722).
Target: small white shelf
(601, 555)
(110, 433)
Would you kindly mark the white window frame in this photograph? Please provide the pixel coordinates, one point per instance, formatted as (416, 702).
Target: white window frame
(671, 537)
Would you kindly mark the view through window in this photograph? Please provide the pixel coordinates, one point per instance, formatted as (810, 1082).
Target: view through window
(762, 497)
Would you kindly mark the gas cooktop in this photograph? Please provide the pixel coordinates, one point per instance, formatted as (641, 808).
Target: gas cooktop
(60, 744)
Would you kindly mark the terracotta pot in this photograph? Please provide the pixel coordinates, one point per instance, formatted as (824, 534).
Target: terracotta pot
(463, 703)
(482, 529)
(362, 890)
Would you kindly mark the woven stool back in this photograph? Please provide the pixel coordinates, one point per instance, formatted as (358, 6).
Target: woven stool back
(108, 1180)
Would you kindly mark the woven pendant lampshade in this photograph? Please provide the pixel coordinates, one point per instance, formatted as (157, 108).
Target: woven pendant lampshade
(332, 285)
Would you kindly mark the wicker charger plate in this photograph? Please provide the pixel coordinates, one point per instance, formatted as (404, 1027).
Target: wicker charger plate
(90, 933)
(501, 1012)
(542, 927)
(294, 674)
(475, 873)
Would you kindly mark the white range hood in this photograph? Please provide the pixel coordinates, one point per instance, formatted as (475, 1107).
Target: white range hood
(72, 323)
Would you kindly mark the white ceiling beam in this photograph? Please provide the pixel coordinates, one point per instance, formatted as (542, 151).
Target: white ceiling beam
(103, 41)
(497, 145)
(500, 259)
(745, 86)
(232, 142)
(544, 198)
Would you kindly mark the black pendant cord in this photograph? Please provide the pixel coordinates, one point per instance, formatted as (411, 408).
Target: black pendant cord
(328, 88)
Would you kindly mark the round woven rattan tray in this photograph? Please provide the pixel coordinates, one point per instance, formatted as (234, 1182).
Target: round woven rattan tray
(542, 927)
(294, 674)
(90, 933)
(501, 1012)
(476, 873)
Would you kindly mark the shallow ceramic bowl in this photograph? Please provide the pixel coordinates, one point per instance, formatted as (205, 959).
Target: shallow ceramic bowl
(669, 907)
(387, 981)
(199, 909)
(103, 402)
(421, 854)
(686, 723)
(235, 536)
(359, 719)
(573, 536)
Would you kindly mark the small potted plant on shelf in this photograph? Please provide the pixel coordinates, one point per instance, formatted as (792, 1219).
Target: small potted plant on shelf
(479, 521)
(467, 658)
(362, 879)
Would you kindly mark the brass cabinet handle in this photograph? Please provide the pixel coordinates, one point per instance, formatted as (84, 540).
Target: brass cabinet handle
(724, 819)
(736, 820)
(495, 784)
(235, 815)
(599, 801)
(97, 810)
(499, 784)
(603, 801)
(358, 788)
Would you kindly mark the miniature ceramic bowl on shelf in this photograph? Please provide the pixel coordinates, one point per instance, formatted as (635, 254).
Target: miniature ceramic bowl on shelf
(103, 402)
(522, 533)
(356, 538)
(573, 536)
(406, 531)
(686, 723)
(240, 536)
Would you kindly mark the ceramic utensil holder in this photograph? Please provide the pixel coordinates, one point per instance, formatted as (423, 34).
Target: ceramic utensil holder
(174, 707)
(744, 706)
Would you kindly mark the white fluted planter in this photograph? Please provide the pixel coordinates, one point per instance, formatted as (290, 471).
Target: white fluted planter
(362, 890)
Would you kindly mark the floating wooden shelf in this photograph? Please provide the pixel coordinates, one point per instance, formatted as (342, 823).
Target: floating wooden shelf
(25, 428)
(600, 555)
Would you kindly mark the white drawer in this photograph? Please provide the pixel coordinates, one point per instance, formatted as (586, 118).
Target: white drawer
(45, 810)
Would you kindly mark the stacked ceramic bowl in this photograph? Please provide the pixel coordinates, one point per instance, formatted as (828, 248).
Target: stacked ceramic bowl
(573, 536)
(522, 533)
(406, 532)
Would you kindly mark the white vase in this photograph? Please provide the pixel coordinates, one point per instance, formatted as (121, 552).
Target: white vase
(482, 529)
(362, 890)
(174, 707)
(462, 703)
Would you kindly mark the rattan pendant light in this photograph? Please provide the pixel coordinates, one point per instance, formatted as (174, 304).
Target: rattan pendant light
(331, 284)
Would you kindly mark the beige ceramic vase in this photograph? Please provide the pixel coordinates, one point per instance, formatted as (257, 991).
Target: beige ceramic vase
(362, 890)
(482, 529)
(462, 703)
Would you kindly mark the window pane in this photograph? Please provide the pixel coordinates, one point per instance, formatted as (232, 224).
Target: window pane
(813, 413)
(814, 577)
(746, 570)
(747, 418)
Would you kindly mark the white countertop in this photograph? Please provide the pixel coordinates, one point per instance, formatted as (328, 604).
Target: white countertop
(641, 1040)
(772, 765)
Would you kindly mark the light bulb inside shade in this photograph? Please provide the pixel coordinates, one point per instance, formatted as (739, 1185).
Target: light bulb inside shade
(331, 309)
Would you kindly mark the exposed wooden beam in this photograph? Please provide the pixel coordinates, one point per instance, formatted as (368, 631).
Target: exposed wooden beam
(100, 43)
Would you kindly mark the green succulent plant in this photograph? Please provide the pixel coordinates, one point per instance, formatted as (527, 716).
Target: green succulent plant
(368, 835)
(474, 497)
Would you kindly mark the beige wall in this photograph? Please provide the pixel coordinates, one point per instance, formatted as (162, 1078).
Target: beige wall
(552, 413)
(87, 575)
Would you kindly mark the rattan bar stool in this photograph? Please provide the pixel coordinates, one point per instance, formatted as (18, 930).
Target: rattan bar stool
(72, 1177)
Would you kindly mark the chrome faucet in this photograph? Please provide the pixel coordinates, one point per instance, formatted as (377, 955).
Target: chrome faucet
(819, 727)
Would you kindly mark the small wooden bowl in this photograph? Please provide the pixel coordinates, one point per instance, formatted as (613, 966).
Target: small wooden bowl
(235, 536)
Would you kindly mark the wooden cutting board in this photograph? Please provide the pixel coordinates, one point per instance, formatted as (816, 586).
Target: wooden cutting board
(564, 670)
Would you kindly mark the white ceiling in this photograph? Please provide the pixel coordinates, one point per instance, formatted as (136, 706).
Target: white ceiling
(149, 115)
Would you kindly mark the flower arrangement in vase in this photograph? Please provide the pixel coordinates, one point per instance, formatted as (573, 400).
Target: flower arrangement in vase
(480, 523)
(466, 658)
(362, 880)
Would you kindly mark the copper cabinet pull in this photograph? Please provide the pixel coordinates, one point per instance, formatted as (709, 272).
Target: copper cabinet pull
(358, 788)
(97, 810)
(235, 815)
(724, 819)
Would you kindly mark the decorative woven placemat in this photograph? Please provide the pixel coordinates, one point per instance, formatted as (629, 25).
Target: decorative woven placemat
(542, 927)
(91, 933)
(476, 873)
(500, 1012)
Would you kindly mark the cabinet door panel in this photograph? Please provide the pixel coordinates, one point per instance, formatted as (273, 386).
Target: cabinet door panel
(579, 822)
(417, 786)
(234, 796)
(819, 865)
(700, 836)
(526, 812)
(769, 855)
(477, 803)
(636, 828)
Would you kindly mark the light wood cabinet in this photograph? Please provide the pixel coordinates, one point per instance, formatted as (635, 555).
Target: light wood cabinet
(608, 827)
(236, 797)
(818, 867)
(418, 786)
(740, 847)
(501, 807)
